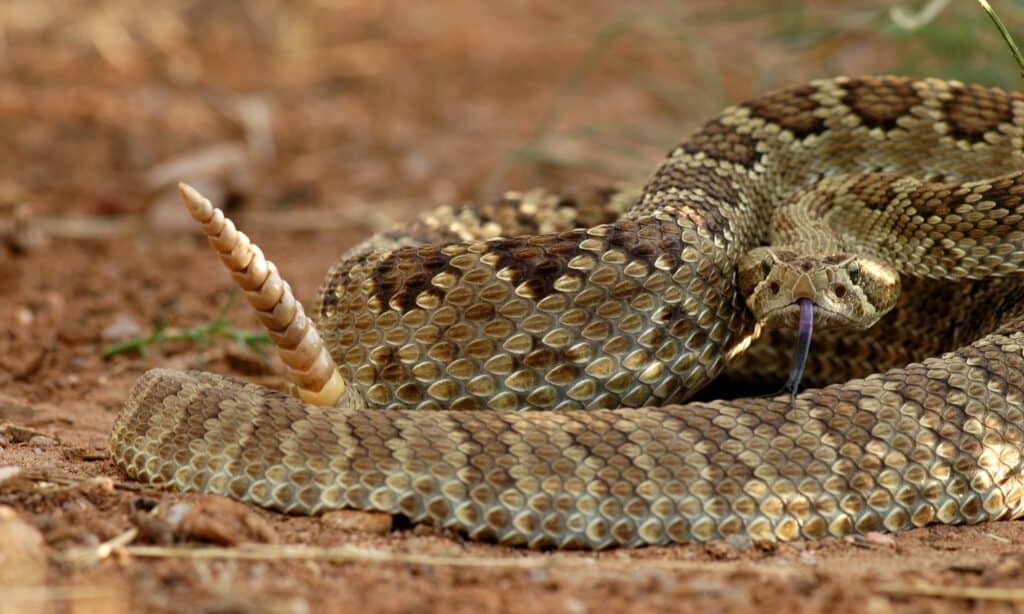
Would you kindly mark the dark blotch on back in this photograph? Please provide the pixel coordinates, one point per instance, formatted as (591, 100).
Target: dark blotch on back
(330, 297)
(386, 277)
(625, 236)
(876, 190)
(941, 199)
(974, 110)
(538, 261)
(792, 109)
(722, 142)
(880, 101)
(407, 271)
(719, 191)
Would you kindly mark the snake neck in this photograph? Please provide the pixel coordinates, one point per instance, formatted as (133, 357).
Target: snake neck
(817, 257)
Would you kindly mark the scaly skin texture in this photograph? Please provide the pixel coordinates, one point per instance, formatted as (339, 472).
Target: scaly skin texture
(640, 306)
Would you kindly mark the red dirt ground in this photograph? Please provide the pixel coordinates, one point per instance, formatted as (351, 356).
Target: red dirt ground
(318, 122)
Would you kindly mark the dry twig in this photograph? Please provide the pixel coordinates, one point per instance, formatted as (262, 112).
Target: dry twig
(346, 553)
(953, 592)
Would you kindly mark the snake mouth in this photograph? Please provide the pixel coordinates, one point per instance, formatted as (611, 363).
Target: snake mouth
(788, 316)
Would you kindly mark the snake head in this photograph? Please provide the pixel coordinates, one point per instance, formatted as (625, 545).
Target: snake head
(849, 292)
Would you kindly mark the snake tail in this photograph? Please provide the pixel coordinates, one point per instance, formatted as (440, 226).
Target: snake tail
(310, 366)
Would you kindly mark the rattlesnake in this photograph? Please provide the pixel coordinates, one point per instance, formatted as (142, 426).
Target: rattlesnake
(871, 192)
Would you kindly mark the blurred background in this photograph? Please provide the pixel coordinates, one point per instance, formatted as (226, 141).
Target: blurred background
(336, 103)
(317, 122)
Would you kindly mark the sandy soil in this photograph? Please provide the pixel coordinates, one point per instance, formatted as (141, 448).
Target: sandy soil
(316, 123)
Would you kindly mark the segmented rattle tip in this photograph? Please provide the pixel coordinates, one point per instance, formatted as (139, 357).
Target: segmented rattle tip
(310, 365)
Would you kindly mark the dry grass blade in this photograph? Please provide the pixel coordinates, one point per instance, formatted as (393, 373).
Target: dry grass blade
(1005, 34)
(47, 478)
(85, 557)
(953, 592)
(365, 555)
(998, 538)
(907, 19)
(89, 227)
(39, 595)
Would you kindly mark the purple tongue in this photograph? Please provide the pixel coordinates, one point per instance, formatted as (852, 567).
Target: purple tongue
(803, 346)
(806, 326)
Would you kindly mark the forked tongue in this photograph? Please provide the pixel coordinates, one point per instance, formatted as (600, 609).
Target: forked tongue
(803, 346)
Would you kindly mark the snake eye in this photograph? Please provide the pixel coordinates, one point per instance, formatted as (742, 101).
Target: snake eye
(853, 270)
(766, 266)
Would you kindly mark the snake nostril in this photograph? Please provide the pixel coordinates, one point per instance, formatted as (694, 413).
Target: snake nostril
(774, 287)
(840, 290)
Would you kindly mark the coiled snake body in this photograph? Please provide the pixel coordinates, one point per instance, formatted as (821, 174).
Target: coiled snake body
(873, 193)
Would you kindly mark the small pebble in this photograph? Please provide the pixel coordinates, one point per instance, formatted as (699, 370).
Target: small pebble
(740, 542)
(24, 317)
(42, 441)
(574, 606)
(223, 521)
(176, 513)
(877, 538)
(8, 472)
(23, 555)
(122, 327)
(808, 558)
